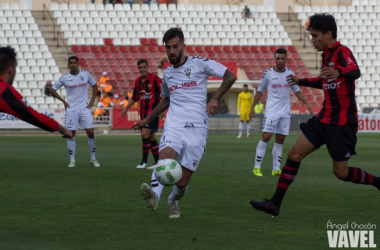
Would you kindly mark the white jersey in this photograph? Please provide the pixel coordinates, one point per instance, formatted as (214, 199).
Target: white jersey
(278, 103)
(187, 88)
(76, 88)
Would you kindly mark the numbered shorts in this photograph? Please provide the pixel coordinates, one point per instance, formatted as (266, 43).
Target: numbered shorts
(340, 140)
(244, 115)
(276, 125)
(189, 143)
(76, 118)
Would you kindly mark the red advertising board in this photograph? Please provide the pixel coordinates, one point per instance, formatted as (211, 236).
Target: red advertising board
(132, 116)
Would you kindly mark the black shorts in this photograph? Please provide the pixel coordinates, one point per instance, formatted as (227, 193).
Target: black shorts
(340, 140)
(153, 125)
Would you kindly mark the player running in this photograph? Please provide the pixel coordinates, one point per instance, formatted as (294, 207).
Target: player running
(184, 89)
(78, 109)
(11, 101)
(336, 124)
(277, 115)
(147, 90)
(245, 100)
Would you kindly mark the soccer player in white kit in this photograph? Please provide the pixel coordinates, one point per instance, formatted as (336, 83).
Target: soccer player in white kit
(78, 109)
(277, 115)
(184, 89)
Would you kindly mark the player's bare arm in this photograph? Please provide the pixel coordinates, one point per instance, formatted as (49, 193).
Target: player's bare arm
(164, 105)
(130, 104)
(94, 91)
(292, 79)
(65, 132)
(229, 79)
(303, 99)
(56, 95)
(255, 101)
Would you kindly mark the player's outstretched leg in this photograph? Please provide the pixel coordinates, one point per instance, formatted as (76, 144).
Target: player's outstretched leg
(288, 174)
(359, 176)
(176, 194)
(71, 145)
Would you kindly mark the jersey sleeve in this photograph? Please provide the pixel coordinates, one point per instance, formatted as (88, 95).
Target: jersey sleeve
(91, 79)
(211, 67)
(58, 84)
(164, 88)
(263, 83)
(17, 106)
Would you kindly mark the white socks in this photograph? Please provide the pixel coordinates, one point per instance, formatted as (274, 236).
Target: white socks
(156, 186)
(241, 124)
(260, 152)
(177, 194)
(277, 156)
(71, 145)
(248, 127)
(91, 147)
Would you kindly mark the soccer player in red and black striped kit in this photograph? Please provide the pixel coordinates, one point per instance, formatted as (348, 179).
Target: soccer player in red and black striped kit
(148, 91)
(13, 103)
(336, 124)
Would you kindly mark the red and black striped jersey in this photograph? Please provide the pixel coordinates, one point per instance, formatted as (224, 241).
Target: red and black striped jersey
(13, 103)
(148, 93)
(339, 105)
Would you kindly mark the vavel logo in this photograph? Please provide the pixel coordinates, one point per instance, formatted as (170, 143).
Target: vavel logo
(351, 235)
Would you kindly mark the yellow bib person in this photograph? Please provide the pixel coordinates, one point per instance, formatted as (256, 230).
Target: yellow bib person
(245, 100)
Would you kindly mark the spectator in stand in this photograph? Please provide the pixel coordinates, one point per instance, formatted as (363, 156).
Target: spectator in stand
(105, 100)
(47, 88)
(131, 2)
(161, 2)
(306, 25)
(246, 12)
(147, 2)
(99, 111)
(124, 102)
(102, 82)
(108, 88)
(115, 102)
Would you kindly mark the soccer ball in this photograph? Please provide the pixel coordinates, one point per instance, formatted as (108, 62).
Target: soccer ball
(168, 172)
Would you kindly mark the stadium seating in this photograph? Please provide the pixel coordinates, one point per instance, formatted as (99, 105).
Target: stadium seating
(35, 63)
(358, 29)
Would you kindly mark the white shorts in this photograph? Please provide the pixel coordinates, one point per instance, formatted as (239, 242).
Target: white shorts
(276, 125)
(189, 143)
(75, 118)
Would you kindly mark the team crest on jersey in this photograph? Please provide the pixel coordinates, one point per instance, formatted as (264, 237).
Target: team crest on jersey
(187, 72)
(82, 78)
(195, 162)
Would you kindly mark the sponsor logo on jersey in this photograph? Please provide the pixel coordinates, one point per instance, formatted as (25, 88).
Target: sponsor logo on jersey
(186, 85)
(277, 86)
(332, 85)
(145, 95)
(77, 85)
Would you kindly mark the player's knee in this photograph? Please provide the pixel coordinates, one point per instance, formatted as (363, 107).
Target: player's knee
(294, 155)
(340, 173)
(183, 182)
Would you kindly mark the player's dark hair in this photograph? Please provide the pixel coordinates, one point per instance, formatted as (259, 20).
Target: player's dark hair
(8, 58)
(245, 85)
(73, 57)
(323, 22)
(142, 61)
(172, 33)
(281, 51)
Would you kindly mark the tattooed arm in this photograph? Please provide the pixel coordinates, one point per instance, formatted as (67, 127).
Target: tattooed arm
(228, 80)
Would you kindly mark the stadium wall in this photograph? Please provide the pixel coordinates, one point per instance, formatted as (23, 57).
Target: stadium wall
(280, 5)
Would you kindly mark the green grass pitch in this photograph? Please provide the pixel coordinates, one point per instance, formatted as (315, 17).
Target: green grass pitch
(46, 205)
